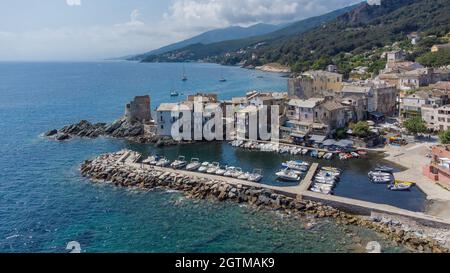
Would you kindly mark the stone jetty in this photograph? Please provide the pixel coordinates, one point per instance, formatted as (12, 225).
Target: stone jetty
(122, 169)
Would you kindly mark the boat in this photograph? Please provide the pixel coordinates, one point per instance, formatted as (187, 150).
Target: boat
(384, 169)
(230, 171)
(256, 176)
(184, 77)
(174, 93)
(213, 168)
(362, 152)
(151, 160)
(380, 177)
(400, 186)
(163, 162)
(288, 175)
(204, 167)
(244, 176)
(332, 169)
(320, 154)
(194, 165)
(222, 78)
(179, 163)
(221, 171)
(297, 165)
(314, 153)
(354, 154)
(238, 172)
(305, 151)
(328, 156)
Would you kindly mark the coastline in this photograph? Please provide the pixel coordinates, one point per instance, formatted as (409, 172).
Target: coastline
(119, 169)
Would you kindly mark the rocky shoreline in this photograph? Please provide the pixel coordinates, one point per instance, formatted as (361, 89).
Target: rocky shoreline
(113, 169)
(121, 129)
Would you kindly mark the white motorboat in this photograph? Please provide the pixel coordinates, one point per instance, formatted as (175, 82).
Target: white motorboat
(288, 175)
(237, 173)
(194, 165)
(213, 168)
(221, 171)
(163, 162)
(256, 176)
(244, 176)
(296, 165)
(230, 171)
(305, 151)
(328, 156)
(149, 160)
(179, 163)
(204, 167)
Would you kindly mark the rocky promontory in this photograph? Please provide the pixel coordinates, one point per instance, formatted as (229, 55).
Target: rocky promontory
(122, 170)
(135, 125)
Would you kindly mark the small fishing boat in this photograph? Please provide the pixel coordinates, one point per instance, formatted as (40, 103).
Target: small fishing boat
(297, 165)
(362, 152)
(328, 156)
(384, 169)
(244, 176)
(354, 154)
(332, 169)
(288, 175)
(179, 163)
(163, 162)
(221, 171)
(320, 155)
(194, 165)
(400, 186)
(305, 151)
(151, 160)
(256, 176)
(204, 167)
(229, 172)
(238, 172)
(174, 93)
(213, 168)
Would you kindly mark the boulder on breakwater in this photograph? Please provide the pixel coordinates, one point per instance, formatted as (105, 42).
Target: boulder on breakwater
(109, 168)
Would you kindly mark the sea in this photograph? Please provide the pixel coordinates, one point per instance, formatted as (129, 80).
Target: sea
(45, 203)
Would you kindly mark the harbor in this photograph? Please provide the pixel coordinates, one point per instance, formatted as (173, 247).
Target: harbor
(124, 169)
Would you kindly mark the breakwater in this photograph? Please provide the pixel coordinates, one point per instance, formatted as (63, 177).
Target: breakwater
(122, 169)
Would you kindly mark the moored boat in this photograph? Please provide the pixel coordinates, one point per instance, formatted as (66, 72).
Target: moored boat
(194, 164)
(179, 163)
(204, 167)
(163, 162)
(297, 165)
(213, 168)
(256, 176)
(288, 175)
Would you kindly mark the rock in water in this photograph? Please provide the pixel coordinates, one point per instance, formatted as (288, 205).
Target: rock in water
(51, 133)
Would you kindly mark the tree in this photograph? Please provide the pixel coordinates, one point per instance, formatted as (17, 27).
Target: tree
(360, 129)
(415, 125)
(435, 59)
(444, 136)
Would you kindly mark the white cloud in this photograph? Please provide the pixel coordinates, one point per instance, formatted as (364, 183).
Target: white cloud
(204, 14)
(183, 19)
(73, 2)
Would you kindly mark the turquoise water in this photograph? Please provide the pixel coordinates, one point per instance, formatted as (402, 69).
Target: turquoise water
(45, 203)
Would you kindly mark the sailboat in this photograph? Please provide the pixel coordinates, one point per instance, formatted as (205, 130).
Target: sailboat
(222, 78)
(184, 77)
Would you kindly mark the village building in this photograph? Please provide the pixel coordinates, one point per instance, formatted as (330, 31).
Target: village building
(439, 168)
(436, 48)
(313, 83)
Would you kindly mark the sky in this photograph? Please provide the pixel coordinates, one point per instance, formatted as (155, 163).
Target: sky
(63, 30)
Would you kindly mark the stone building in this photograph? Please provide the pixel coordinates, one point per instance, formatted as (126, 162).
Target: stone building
(313, 83)
(139, 110)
